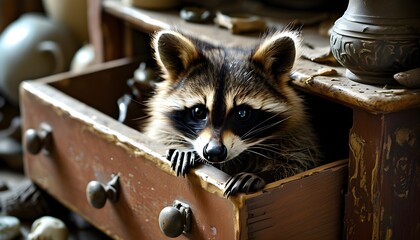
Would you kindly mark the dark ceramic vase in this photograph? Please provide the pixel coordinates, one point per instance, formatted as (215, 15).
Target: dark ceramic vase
(375, 39)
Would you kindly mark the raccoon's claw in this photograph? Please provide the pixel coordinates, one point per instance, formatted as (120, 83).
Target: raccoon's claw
(243, 182)
(181, 160)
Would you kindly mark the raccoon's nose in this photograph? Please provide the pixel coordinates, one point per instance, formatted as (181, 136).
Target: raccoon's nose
(215, 152)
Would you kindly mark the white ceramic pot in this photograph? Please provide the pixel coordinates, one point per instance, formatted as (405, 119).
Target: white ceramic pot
(31, 47)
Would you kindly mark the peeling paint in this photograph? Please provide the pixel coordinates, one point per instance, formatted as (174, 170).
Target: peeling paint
(388, 235)
(357, 148)
(376, 219)
(405, 136)
(362, 215)
(373, 179)
(238, 202)
(387, 146)
(363, 177)
(402, 171)
(213, 231)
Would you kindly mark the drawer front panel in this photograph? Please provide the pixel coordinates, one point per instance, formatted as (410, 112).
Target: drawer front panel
(81, 153)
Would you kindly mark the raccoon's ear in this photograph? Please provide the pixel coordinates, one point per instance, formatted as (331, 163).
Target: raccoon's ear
(174, 53)
(276, 54)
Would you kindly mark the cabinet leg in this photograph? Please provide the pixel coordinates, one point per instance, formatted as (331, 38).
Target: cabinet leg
(383, 195)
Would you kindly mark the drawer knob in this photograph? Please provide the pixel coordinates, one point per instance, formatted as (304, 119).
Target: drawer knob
(38, 139)
(97, 193)
(175, 219)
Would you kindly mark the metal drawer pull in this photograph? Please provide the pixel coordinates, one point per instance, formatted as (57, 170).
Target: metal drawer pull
(38, 139)
(97, 193)
(176, 219)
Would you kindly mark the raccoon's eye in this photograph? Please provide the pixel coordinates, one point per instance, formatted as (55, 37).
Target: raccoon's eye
(199, 113)
(243, 113)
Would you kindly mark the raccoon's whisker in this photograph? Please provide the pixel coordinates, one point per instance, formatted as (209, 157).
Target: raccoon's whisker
(265, 143)
(257, 153)
(175, 138)
(296, 150)
(190, 132)
(292, 154)
(257, 126)
(271, 150)
(143, 104)
(200, 159)
(170, 133)
(233, 165)
(175, 143)
(255, 130)
(140, 118)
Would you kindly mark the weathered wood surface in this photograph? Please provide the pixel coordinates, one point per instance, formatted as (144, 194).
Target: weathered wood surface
(377, 99)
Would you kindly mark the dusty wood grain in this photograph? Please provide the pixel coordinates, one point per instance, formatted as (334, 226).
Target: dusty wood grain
(375, 99)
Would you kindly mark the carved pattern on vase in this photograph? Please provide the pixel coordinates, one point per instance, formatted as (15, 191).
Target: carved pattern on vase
(384, 56)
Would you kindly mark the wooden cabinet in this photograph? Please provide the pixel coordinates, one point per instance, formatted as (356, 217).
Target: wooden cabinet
(381, 189)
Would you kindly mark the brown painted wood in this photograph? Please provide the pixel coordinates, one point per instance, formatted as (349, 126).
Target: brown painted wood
(105, 33)
(311, 207)
(96, 36)
(384, 176)
(90, 145)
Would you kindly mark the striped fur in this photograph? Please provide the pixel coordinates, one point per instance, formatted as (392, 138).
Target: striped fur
(275, 141)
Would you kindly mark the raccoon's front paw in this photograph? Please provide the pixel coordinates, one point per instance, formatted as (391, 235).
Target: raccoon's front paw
(243, 182)
(181, 160)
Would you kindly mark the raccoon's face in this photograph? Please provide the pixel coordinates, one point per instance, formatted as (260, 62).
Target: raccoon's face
(225, 102)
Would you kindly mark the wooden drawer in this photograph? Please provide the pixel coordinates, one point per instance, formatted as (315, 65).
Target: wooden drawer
(89, 144)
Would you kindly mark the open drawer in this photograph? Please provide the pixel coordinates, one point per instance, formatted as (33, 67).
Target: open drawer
(87, 146)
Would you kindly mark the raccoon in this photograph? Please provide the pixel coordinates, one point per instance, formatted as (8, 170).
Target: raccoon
(231, 108)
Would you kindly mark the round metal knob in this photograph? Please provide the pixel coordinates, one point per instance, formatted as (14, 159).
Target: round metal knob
(38, 139)
(33, 141)
(97, 193)
(171, 222)
(174, 220)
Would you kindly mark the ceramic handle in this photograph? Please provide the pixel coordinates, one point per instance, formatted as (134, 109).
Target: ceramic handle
(97, 193)
(54, 49)
(175, 219)
(38, 139)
